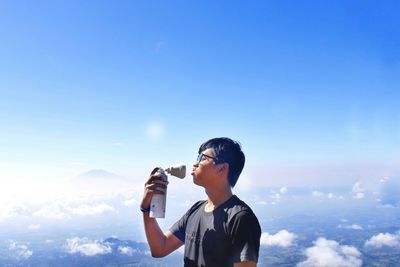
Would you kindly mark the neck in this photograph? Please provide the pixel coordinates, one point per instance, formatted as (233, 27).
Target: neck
(217, 196)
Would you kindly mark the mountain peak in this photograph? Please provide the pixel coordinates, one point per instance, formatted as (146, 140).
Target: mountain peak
(100, 174)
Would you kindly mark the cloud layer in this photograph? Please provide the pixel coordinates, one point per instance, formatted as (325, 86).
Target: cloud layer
(87, 247)
(328, 253)
(384, 239)
(358, 191)
(281, 239)
(65, 210)
(350, 226)
(19, 251)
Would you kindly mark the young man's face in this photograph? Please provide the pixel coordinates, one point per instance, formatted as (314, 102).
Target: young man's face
(205, 170)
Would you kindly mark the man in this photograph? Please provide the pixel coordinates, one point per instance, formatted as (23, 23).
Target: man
(221, 231)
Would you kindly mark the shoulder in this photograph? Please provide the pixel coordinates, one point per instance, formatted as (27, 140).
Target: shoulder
(196, 206)
(241, 215)
(193, 211)
(179, 227)
(237, 208)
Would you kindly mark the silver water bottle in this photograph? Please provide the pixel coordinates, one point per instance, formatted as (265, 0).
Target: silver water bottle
(158, 201)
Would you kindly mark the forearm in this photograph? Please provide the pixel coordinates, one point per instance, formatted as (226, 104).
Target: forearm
(155, 236)
(160, 243)
(245, 264)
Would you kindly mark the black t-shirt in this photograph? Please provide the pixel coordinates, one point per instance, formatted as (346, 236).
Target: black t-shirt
(231, 233)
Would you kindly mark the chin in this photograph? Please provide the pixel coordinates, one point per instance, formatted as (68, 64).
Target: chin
(196, 181)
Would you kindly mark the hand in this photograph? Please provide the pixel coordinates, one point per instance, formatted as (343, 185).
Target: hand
(154, 185)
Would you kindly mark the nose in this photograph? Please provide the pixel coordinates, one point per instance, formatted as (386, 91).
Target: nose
(196, 164)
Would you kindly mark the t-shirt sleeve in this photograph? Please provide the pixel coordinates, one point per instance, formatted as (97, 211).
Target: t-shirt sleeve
(245, 233)
(179, 228)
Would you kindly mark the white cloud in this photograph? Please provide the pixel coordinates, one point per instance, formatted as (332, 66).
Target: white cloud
(356, 227)
(87, 247)
(126, 250)
(317, 193)
(359, 196)
(328, 253)
(130, 251)
(19, 251)
(130, 202)
(276, 198)
(333, 196)
(389, 193)
(283, 190)
(9, 211)
(155, 131)
(282, 239)
(118, 143)
(64, 210)
(352, 226)
(245, 183)
(358, 191)
(384, 179)
(53, 211)
(92, 210)
(330, 195)
(384, 239)
(34, 226)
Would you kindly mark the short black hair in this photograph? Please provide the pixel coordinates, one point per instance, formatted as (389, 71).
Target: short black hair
(229, 151)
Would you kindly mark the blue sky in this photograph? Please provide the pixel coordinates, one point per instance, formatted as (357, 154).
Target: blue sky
(309, 88)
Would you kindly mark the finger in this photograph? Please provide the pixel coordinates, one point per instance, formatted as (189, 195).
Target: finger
(162, 182)
(155, 170)
(156, 180)
(156, 190)
(156, 187)
(156, 177)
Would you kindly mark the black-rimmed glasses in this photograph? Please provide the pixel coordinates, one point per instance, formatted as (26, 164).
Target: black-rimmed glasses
(202, 157)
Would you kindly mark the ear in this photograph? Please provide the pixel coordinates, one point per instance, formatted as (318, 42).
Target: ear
(224, 167)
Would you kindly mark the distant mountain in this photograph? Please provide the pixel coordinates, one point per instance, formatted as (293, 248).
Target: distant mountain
(132, 253)
(138, 247)
(110, 252)
(122, 253)
(100, 174)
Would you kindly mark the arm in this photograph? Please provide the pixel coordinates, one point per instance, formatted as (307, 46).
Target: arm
(245, 264)
(246, 233)
(161, 244)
